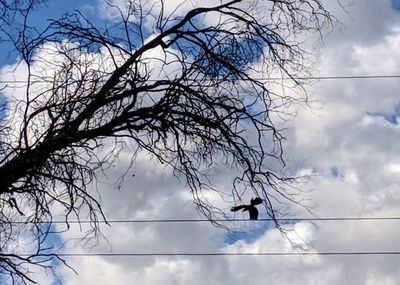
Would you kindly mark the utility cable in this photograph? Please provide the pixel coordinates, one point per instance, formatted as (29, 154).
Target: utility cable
(305, 253)
(383, 76)
(144, 221)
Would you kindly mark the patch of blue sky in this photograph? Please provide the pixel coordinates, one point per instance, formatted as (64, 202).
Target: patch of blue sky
(334, 170)
(39, 19)
(252, 231)
(51, 244)
(395, 5)
(3, 107)
(54, 244)
(53, 240)
(391, 117)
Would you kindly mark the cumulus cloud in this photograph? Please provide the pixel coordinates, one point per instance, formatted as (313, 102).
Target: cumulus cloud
(351, 147)
(349, 141)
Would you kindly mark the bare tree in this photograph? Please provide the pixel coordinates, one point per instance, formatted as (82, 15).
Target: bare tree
(188, 87)
(12, 16)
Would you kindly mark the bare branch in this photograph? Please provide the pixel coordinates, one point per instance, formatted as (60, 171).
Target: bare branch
(186, 90)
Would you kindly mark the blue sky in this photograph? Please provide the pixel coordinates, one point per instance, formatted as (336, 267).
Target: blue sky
(396, 4)
(40, 17)
(347, 140)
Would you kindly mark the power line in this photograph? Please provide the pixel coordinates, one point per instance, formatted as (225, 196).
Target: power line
(333, 77)
(306, 253)
(259, 220)
(143, 221)
(259, 78)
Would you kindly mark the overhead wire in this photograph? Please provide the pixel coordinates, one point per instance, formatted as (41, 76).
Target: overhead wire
(238, 253)
(198, 254)
(144, 221)
(328, 77)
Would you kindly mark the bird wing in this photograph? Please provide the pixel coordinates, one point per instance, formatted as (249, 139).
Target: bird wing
(237, 208)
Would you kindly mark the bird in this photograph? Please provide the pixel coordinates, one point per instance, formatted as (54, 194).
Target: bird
(253, 212)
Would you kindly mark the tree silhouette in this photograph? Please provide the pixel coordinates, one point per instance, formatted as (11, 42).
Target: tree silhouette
(12, 13)
(188, 87)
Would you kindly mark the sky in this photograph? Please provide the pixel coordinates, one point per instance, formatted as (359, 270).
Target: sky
(346, 140)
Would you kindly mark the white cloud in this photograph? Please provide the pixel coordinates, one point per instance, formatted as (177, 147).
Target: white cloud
(132, 10)
(346, 134)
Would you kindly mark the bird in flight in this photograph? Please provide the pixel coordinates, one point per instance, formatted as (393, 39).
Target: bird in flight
(253, 212)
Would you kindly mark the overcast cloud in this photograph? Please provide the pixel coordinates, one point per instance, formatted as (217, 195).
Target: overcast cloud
(348, 141)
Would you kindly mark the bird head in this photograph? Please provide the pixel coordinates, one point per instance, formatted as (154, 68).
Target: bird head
(256, 201)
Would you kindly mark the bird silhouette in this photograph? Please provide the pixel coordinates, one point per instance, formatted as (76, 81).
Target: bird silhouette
(253, 212)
